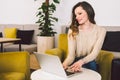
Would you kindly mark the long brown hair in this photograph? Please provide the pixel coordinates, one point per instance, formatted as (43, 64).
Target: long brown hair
(90, 12)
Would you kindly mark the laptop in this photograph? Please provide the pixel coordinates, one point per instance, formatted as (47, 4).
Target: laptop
(53, 65)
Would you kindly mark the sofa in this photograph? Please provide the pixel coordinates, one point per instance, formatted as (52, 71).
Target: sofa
(109, 52)
(29, 41)
(15, 65)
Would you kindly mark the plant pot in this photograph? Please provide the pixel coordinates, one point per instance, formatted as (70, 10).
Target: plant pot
(44, 43)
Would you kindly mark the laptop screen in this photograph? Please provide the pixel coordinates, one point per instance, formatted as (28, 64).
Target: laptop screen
(50, 64)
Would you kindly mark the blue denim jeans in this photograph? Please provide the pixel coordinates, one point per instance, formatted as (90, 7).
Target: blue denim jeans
(91, 65)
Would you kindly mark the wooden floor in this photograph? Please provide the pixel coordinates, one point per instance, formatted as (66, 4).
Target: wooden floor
(33, 62)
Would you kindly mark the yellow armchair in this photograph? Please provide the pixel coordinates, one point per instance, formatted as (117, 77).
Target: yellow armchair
(14, 66)
(104, 59)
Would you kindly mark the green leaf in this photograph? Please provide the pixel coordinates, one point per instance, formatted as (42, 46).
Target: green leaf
(52, 7)
(46, 18)
(56, 1)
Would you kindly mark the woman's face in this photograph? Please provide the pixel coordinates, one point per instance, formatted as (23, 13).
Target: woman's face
(81, 15)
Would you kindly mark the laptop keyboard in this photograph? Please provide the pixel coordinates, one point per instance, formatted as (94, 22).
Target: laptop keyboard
(69, 73)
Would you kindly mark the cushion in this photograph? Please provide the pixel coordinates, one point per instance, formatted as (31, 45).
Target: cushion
(1, 34)
(10, 32)
(112, 41)
(25, 36)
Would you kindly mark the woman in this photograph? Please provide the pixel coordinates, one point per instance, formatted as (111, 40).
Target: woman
(85, 38)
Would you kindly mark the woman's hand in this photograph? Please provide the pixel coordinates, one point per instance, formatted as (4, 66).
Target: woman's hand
(76, 67)
(65, 66)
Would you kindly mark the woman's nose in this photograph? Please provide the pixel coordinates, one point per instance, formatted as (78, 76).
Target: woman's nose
(77, 18)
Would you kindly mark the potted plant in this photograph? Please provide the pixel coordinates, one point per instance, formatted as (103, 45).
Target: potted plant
(45, 21)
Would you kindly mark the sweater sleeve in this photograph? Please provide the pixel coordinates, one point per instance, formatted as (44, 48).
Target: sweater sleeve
(71, 48)
(97, 47)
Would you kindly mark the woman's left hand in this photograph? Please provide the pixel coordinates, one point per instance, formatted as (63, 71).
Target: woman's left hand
(76, 67)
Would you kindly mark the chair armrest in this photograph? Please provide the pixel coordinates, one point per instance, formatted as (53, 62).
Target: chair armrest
(15, 62)
(56, 51)
(104, 61)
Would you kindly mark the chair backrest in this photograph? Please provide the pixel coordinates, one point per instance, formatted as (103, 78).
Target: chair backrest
(15, 62)
(63, 44)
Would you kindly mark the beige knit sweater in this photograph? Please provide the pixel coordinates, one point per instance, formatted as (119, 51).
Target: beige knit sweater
(86, 43)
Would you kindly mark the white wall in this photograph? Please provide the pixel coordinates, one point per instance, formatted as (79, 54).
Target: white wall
(18, 11)
(24, 11)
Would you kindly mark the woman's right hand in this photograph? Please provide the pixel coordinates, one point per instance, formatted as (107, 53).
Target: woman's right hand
(76, 67)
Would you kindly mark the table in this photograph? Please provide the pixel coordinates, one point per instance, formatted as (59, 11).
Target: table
(86, 74)
(7, 40)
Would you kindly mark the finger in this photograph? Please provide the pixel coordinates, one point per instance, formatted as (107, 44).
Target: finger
(72, 66)
(66, 68)
(76, 69)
